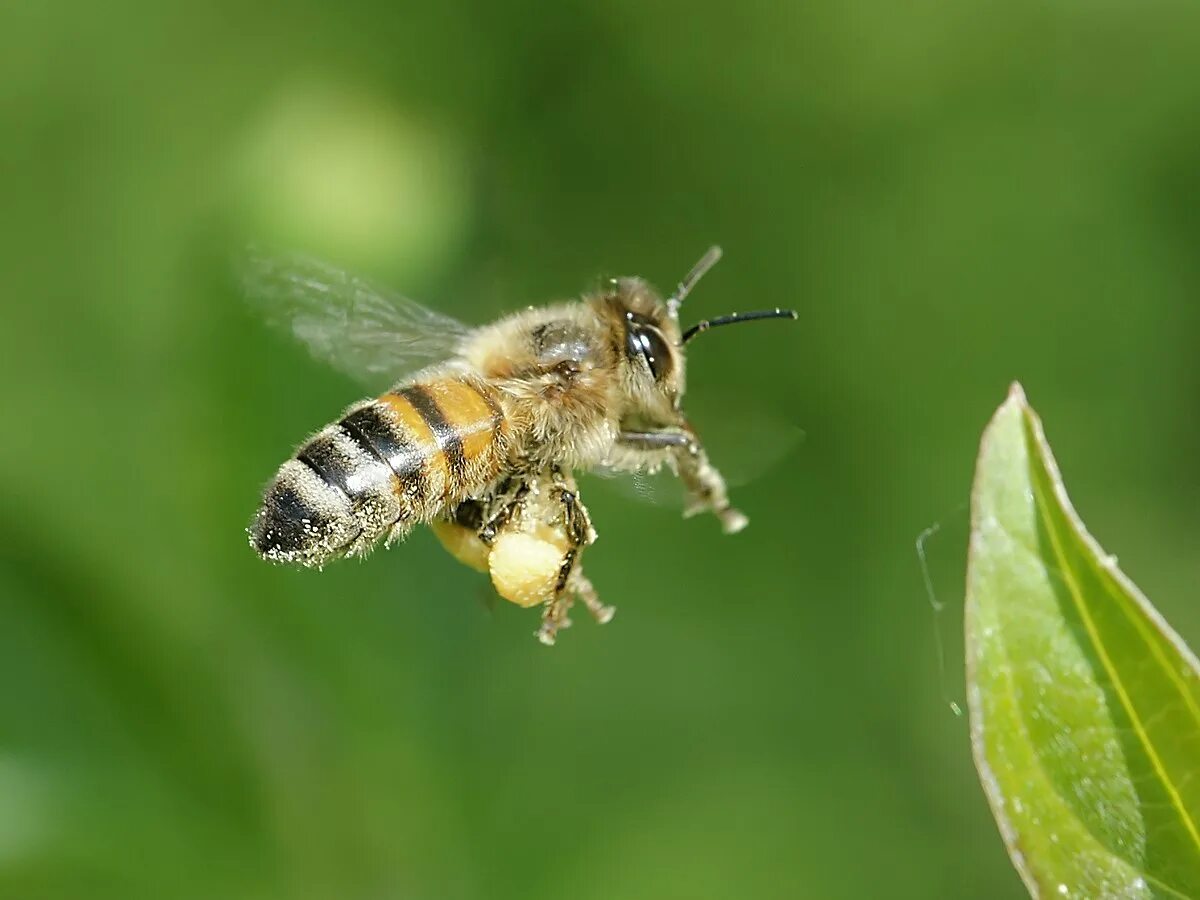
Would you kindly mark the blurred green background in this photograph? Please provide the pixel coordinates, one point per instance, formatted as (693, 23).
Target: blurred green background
(953, 196)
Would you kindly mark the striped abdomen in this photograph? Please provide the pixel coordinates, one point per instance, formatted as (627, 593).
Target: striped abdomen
(387, 465)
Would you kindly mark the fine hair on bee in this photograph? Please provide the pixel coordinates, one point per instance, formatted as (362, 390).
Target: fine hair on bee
(482, 429)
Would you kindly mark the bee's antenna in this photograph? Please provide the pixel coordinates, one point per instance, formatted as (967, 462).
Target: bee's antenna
(734, 318)
(707, 261)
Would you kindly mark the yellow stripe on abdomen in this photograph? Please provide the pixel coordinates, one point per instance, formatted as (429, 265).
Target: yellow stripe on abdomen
(460, 427)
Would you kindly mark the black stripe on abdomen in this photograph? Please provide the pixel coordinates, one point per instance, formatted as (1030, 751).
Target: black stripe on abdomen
(370, 429)
(322, 457)
(445, 434)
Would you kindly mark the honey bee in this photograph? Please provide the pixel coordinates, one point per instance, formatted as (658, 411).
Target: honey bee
(484, 428)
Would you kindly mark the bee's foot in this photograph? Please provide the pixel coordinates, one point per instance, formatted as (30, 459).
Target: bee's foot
(548, 633)
(554, 619)
(601, 612)
(732, 520)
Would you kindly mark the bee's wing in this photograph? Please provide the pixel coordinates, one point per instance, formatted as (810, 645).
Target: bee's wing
(361, 329)
(660, 489)
(744, 445)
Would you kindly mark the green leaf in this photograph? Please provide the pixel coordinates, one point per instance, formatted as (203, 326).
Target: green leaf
(1085, 705)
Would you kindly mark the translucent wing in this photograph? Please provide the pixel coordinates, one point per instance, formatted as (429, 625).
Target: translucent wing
(660, 489)
(745, 444)
(363, 330)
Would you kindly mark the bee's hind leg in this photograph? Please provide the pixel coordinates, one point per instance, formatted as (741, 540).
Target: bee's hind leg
(681, 449)
(583, 588)
(555, 611)
(576, 528)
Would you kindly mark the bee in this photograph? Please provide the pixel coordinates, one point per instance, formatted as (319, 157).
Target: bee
(483, 429)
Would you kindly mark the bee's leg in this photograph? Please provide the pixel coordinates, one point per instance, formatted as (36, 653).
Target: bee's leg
(576, 522)
(583, 588)
(706, 489)
(555, 613)
(682, 449)
(577, 528)
(502, 509)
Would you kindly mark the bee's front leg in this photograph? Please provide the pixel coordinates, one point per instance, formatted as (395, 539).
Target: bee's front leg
(682, 450)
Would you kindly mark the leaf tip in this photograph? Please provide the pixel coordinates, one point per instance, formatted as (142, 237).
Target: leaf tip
(1014, 408)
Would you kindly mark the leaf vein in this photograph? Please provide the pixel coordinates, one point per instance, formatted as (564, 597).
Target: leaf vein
(1113, 676)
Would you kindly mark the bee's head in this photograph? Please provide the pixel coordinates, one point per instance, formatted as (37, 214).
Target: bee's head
(647, 342)
(652, 340)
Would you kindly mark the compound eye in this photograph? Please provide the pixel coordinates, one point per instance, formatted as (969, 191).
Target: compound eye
(645, 341)
(635, 342)
(654, 348)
